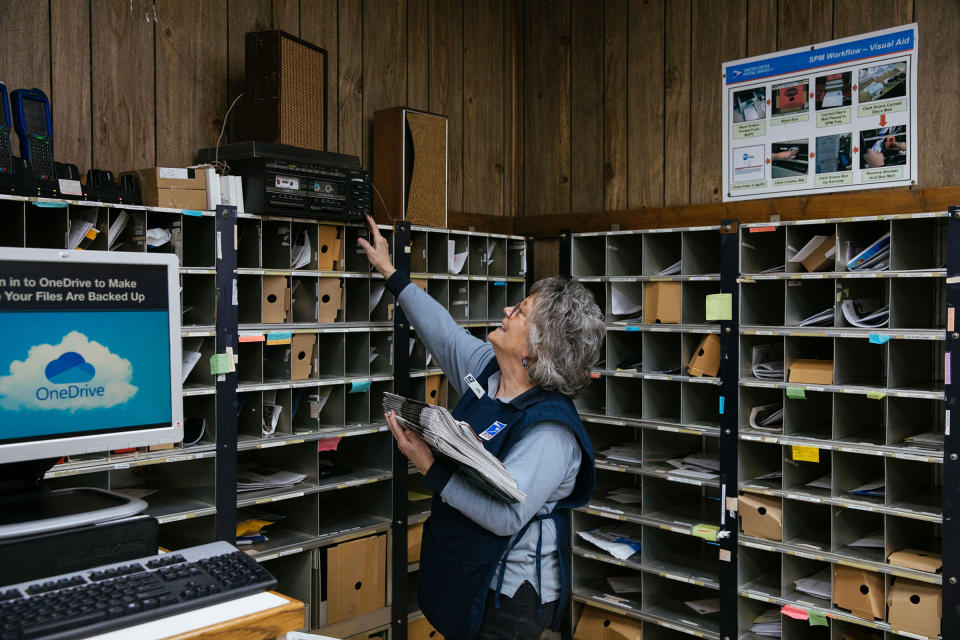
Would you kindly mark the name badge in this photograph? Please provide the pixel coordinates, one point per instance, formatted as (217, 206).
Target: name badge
(474, 385)
(493, 430)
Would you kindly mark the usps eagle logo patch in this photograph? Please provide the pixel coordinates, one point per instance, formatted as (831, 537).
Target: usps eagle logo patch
(493, 430)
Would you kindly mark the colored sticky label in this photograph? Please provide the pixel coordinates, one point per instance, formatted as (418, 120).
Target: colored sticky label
(876, 338)
(720, 306)
(949, 318)
(328, 444)
(254, 338)
(817, 618)
(797, 393)
(805, 454)
(722, 400)
(633, 328)
(761, 229)
(594, 375)
(876, 395)
(279, 337)
(219, 363)
(191, 212)
(358, 386)
(946, 368)
(794, 612)
(706, 531)
(499, 283)
(50, 205)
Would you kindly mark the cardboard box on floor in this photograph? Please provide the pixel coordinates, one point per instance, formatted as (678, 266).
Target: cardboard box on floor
(302, 356)
(919, 560)
(661, 302)
(706, 359)
(915, 607)
(597, 624)
(421, 629)
(761, 516)
(414, 541)
(859, 591)
(329, 296)
(356, 578)
(275, 302)
(812, 371)
(328, 248)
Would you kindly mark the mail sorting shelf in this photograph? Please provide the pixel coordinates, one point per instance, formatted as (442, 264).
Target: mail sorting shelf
(644, 402)
(853, 466)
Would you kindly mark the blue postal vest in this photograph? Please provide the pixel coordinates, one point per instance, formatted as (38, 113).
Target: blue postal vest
(459, 558)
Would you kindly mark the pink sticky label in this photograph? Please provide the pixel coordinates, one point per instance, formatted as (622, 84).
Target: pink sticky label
(329, 444)
(946, 369)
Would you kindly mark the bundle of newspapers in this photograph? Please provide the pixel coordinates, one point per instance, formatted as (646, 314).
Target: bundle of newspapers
(457, 445)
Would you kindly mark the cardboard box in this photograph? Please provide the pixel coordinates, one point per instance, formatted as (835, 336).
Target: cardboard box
(706, 359)
(414, 540)
(175, 198)
(761, 516)
(915, 607)
(596, 624)
(919, 560)
(356, 581)
(421, 629)
(420, 282)
(160, 447)
(328, 248)
(818, 254)
(812, 371)
(170, 178)
(328, 299)
(435, 390)
(859, 591)
(275, 301)
(302, 355)
(661, 302)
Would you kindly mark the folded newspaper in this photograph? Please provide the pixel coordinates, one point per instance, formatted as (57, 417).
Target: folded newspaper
(457, 444)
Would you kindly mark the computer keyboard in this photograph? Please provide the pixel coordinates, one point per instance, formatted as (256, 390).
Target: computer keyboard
(85, 603)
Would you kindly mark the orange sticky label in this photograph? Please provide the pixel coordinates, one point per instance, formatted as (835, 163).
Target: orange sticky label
(257, 338)
(761, 229)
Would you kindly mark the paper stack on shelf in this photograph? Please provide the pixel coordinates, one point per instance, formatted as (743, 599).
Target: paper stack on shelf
(251, 530)
(626, 299)
(768, 624)
(872, 541)
(874, 489)
(701, 465)
(257, 478)
(817, 585)
(625, 584)
(866, 313)
(926, 440)
(301, 251)
(631, 452)
(767, 417)
(823, 482)
(625, 495)
(704, 607)
(780, 268)
(671, 270)
(619, 540)
(457, 444)
(820, 318)
(876, 257)
(767, 361)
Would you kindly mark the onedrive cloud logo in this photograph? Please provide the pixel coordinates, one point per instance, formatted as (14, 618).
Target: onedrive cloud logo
(77, 374)
(69, 367)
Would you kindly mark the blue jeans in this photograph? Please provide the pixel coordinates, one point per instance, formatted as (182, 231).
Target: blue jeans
(517, 617)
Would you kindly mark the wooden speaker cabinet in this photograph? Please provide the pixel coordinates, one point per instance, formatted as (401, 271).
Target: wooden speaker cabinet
(286, 90)
(410, 167)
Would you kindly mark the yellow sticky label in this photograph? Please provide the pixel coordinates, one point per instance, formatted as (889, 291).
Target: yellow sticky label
(806, 454)
(719, 306)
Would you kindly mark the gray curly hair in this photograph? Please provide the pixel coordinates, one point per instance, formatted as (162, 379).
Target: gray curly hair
(566, 334)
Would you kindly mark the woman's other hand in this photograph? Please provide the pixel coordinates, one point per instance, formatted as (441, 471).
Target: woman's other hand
(410, 444)
(378, 253)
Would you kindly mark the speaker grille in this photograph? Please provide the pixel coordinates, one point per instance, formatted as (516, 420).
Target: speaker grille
(427, 198)
(302, 100)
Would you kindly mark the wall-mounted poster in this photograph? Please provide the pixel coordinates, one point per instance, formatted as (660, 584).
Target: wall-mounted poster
(835, 116)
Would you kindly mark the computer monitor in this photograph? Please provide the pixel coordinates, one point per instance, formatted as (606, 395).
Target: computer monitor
(90, 355)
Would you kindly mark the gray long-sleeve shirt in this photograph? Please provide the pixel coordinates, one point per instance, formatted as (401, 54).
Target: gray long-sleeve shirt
(544, 462)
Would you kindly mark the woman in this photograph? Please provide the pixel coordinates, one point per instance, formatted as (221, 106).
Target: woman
(489, 569)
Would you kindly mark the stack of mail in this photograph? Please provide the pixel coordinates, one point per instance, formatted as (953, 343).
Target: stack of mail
(929, 439)
(823, 482)
(767, 361)
(671, 270)
(619, 540)
(817, 585)
(767, 417)
(457, 444)
(866, 313)
(256, 478)
(768, 624)
(626, 298)
(625, 584)
(631, 452)
(820, 318)
(625, 495)
(697, 465)
(876, 257)
(873, 489)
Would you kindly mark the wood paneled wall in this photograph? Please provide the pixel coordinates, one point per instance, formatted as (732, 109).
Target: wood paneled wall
(136, 83)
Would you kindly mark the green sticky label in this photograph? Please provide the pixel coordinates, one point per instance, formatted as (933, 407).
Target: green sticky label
(797, 393)
(219, 363)
(706, 531)
(749, 129)
(719, 306)
(817, 618)
(833, 117)
(876, 395)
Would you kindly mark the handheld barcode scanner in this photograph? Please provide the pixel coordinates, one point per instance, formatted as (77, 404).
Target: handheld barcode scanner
(34, 127)
(6, 159)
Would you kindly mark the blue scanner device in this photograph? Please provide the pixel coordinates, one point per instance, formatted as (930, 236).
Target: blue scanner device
(6, 159)
(34, 127)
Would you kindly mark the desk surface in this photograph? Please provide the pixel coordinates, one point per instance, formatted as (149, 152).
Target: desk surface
(255, 617)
